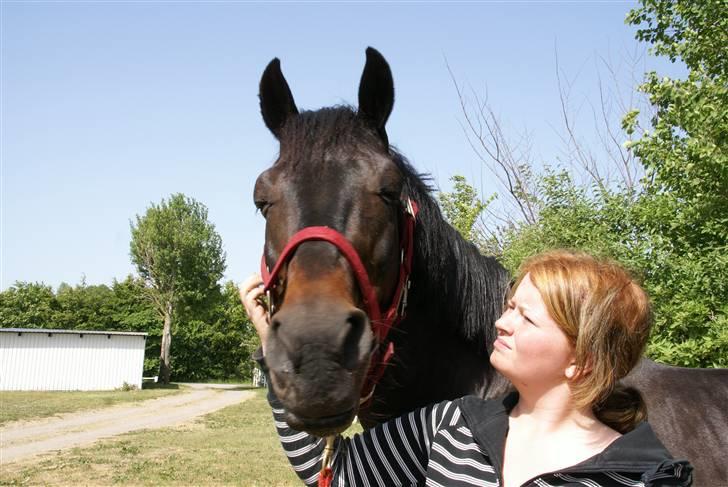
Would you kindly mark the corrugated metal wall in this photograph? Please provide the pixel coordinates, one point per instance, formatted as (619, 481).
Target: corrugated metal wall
(69, 362)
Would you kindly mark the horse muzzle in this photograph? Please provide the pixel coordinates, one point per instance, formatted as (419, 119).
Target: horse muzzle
(318, 355)
(322, 426)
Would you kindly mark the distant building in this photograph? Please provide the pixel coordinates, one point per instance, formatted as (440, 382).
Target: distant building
(259, 378)
(70, 360)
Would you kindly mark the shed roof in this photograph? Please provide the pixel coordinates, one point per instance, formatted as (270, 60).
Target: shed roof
(77, 332)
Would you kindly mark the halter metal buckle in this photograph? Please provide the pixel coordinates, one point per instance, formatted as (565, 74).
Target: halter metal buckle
(403, 299)
(410, 209)
(270, 306)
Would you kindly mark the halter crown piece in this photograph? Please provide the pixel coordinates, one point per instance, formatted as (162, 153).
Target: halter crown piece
(381, 324)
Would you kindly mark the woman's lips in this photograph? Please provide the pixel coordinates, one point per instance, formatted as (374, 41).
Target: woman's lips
(500, 343)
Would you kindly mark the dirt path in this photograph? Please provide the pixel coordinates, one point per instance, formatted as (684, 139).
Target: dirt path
(23, 439)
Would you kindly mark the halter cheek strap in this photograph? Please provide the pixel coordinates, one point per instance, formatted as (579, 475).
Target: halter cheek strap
(381, 325)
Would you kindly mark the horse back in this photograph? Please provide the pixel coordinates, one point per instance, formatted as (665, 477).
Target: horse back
(688, 410)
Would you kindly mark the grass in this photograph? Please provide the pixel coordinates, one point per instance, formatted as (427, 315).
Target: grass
(16, 405)
(237, 445)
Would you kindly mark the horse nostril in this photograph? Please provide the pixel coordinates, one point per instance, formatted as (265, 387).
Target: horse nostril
(350, 351)
(281, 352)
(275, 324)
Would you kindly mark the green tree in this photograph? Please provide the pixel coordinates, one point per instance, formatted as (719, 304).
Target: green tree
(684, 209)
(133, 311)
(237, 322)
(463, 208)
(28, 305)
(598, 221)
(693, 31)
(85, 307)
(179, 256)
(220, 345)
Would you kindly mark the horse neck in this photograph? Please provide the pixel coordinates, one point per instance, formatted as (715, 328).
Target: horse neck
(442, 346)
(454, 282)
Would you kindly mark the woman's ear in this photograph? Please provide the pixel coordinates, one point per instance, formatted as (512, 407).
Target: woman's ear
(571, 371)
(574, 371)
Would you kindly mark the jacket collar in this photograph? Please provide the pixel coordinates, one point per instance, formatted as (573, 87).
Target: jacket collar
(488, 421)
(637, 451)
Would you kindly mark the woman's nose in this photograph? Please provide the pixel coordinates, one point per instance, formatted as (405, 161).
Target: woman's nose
(503, 325)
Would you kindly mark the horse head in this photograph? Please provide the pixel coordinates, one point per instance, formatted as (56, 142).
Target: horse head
(334, 173)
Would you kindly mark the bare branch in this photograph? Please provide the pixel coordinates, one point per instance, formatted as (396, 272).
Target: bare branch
(485, 136)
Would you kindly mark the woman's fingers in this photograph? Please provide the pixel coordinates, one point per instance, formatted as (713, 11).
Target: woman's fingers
(251, 290)
(250, 283)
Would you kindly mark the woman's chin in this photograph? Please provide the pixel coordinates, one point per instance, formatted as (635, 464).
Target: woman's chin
(495, 358)
(498, 363)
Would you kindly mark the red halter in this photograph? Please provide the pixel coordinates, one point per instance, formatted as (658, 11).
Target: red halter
(380, 324)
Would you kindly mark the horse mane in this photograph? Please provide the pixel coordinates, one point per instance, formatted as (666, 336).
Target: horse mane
(465, 288)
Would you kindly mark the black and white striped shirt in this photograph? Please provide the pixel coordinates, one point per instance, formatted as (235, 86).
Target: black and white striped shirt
(461, 443)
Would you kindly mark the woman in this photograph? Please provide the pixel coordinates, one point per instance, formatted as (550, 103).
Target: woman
(573, 327)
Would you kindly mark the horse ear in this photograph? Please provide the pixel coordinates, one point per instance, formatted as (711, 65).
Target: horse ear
(276, 100)
(376, 91)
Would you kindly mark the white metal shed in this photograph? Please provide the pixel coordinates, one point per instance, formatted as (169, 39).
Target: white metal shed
(69, 360)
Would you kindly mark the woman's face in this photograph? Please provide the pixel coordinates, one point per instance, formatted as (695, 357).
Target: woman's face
(531, 350)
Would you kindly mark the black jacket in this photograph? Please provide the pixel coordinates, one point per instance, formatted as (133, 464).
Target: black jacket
(636, 452)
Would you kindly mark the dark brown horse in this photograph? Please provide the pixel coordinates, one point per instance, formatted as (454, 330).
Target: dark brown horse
(337, 171)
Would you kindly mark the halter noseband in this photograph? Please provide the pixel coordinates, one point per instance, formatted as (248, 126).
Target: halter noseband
(381, 325)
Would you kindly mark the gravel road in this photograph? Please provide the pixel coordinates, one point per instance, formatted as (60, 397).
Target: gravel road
(22, 439)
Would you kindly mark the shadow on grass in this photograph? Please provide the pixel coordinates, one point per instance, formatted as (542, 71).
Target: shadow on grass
(245, 387)
(159, 385)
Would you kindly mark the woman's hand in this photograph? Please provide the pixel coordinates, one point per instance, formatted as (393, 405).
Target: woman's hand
(251, 292)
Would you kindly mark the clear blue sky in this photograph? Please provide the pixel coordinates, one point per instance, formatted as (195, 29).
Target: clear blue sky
(107, 107)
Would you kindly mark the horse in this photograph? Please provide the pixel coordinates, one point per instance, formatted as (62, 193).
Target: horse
(351, 229)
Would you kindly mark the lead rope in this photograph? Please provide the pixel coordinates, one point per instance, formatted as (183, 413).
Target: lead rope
(327, 475)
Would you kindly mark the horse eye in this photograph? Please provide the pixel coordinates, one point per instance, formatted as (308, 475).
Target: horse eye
(262, 206)
(390, 197)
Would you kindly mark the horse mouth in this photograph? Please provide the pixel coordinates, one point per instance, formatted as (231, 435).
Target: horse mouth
(322, 425)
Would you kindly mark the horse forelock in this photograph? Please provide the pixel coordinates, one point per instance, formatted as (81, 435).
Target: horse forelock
(331, 133)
